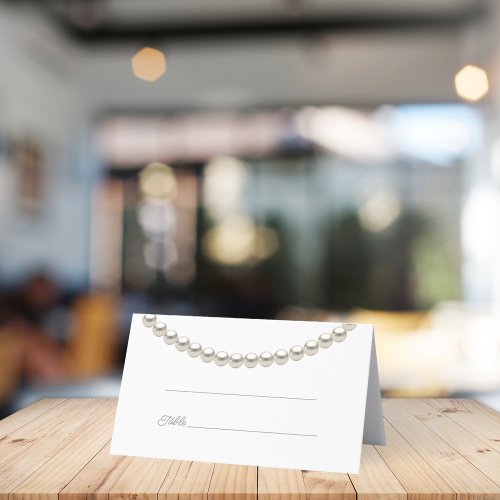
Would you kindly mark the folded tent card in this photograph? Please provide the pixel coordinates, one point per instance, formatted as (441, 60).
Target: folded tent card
(290, 394)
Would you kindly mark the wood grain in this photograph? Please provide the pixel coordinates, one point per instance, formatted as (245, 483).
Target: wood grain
(415, 474)
(328, 486)
(96, 479)
(233, 482)
(187, 481)
(436, 449)
(472, 448)
(459, 473)
(28, 448)
(275, 484)
(473, 417)
(49, 479)
(141, 479)
(26, 415)
(375, 479)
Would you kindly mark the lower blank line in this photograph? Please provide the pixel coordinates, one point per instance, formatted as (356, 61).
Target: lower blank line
(249, 430)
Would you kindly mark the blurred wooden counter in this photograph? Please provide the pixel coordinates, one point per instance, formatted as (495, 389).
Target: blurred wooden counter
(437, 448)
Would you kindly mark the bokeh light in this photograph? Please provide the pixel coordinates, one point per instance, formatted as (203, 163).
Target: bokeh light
(149, 64)
(224, 179)
(156, 216)
(238, 241)
(379, 211)
(347, 132)
(158, 180)
(471, 83)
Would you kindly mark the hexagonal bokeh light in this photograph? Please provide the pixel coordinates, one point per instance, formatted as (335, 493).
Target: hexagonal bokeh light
(149, 64)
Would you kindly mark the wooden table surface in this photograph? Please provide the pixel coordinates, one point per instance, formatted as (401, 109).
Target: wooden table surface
(436, 448)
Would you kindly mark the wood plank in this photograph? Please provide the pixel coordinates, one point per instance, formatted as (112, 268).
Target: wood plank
(473, 449)
(477, 419)
(480, 408)
(233, 482)
(21, 439)
(460, 474)
(24, 416)
(96, 479)
(328, 486)
(28, 448)
(51, 477)
(375, 480)
(281, 484)
(415, 474)
(437, 449)
(187, 481)
(141, 480)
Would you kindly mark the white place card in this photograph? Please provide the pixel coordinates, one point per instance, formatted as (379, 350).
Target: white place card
(311, 414)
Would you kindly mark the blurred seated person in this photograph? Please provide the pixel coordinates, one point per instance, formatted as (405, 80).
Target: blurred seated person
(45, 342)
(32, 320)
(10, 357)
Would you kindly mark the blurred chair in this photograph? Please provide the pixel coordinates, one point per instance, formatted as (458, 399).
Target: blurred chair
(93, 343)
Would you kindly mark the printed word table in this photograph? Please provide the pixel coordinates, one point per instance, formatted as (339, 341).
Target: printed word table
(436, 449)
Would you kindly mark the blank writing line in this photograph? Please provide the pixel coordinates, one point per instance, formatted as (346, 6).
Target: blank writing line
(242, 395)
(248, 430)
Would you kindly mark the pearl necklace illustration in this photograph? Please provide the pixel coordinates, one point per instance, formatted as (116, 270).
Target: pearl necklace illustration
(251, 359)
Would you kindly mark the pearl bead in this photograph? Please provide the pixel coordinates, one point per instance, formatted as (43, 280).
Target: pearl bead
(297, 352)
(251, 360)
(182, 344)
(266, 358)
(207, 355)
(349, 326)
(339, 334)
(325, 340)
(149, 320)
(311, 347)
(195, 349)
(170, 337)
(160, 329)
(236, 360)
(281, 357)
(221, 358)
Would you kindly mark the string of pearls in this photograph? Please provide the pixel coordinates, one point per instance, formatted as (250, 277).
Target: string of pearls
(250, 360)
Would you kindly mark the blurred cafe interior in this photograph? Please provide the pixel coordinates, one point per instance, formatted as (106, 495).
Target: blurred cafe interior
(280, 159)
